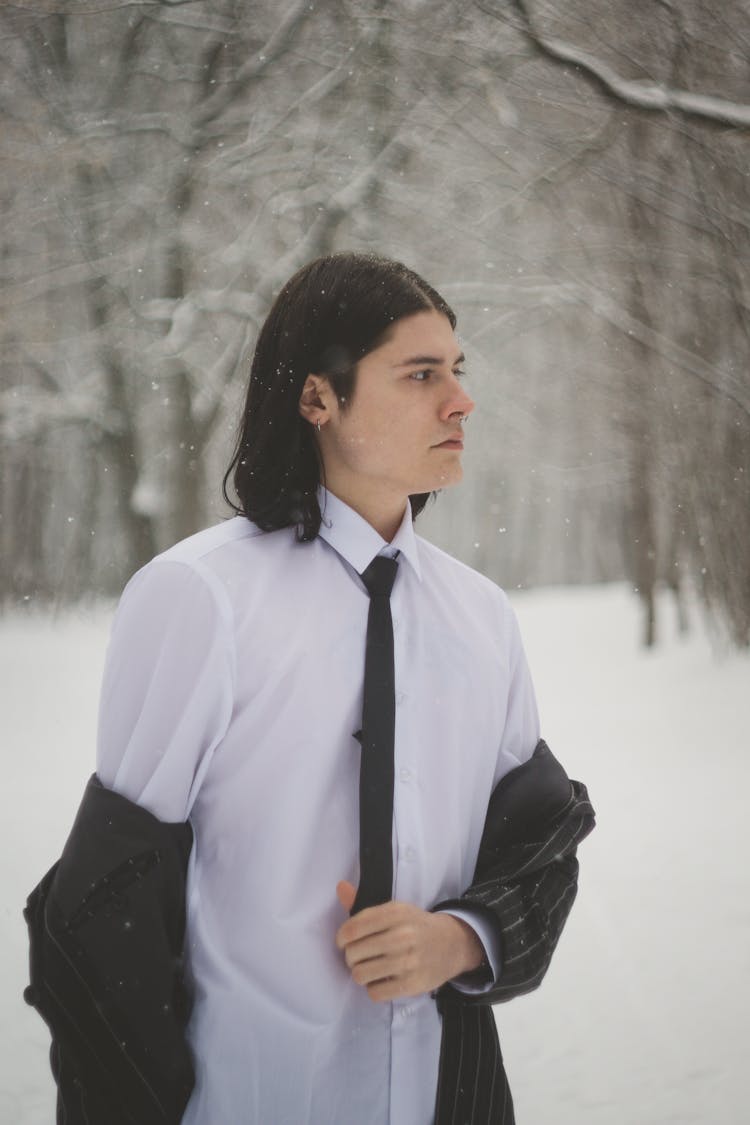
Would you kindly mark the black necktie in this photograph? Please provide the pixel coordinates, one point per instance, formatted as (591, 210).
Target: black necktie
(378, 725)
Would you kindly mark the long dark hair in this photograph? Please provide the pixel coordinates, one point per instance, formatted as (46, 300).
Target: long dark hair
(327, 317)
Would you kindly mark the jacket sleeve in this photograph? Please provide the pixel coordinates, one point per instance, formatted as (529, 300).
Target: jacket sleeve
(106, 929)
(526, 874)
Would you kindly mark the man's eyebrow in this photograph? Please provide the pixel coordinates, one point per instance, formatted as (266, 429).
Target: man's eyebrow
(429, 361)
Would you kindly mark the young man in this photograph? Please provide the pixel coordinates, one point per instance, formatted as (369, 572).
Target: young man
(381, 845)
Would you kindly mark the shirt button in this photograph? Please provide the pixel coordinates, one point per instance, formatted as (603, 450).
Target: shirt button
(400, 697)
(411, 854)
(404, 774)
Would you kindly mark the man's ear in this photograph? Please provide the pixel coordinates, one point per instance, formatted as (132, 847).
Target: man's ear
(313, 402)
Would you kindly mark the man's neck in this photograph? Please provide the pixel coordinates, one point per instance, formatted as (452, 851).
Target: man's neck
(382, 512)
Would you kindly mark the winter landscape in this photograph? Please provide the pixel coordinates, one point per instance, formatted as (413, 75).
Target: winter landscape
(642, 1019)
(573, 178)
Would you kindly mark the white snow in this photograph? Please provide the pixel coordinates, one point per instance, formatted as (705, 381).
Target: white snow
(642, 1019)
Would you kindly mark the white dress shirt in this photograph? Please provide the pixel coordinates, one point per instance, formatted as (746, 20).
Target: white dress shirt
(232, 690)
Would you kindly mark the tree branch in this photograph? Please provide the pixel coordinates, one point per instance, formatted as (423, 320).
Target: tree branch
(719, 381)
(254, 67)
(228, 302)
(310, 97)
(169, 124)
(650, 96)
(554, 294)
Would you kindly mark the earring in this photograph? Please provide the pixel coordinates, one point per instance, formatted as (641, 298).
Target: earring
(317, 425)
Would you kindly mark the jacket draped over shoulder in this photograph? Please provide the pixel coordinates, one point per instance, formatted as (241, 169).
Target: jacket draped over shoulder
(106, 928)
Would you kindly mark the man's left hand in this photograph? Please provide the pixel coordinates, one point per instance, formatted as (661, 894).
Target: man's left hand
(398, 949)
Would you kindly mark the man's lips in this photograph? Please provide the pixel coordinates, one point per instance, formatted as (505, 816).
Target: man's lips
(455, 442)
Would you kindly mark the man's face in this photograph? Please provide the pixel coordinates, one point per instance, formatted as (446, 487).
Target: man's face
(401, 433)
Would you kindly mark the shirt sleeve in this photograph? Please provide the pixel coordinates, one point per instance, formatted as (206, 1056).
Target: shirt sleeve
(518, 740)
(521, 730)
(167, 690)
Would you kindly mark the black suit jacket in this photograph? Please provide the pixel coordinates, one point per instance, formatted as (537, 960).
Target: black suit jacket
(107, 926)
(525, 883)
(106, 929)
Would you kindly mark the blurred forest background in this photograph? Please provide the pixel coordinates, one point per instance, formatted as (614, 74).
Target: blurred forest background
(575, 179)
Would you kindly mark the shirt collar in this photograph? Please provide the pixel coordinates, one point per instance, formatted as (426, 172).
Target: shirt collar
(357, 541)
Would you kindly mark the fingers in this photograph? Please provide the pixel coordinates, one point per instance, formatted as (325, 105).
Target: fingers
(381, 992)
(396, 949)
(386, 963)
(346, 893)
(372, 920)
(383, 985)
(390, 944)
(370, 972)
(395, 964)
(396, 988)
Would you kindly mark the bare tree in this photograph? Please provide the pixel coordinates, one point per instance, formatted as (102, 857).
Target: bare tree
(572, 177)
(680, 283)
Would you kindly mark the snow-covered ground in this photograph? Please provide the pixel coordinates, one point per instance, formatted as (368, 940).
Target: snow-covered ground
(642, 1019)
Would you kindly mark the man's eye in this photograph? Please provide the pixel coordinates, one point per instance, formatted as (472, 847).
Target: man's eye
(459, 373)
(420, 376)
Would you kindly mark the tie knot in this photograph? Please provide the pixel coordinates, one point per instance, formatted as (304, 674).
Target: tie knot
(380, 576)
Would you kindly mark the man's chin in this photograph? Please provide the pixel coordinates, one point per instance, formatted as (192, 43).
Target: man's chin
(444, 480)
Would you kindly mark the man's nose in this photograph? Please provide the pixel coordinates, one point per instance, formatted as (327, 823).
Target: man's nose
(460, 402)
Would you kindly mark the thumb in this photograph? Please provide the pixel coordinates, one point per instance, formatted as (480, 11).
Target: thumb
(347, 893)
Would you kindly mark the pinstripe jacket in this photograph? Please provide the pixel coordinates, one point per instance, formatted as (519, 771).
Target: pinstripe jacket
(106, 927)
(525, 883)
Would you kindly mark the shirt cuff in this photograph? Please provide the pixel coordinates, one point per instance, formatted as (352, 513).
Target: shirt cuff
(480, 980)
